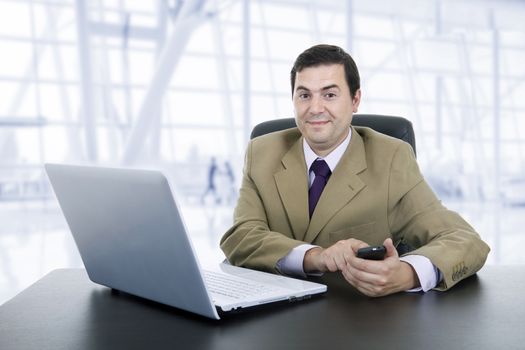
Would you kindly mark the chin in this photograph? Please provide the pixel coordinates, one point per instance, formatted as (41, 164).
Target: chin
(320, 136)
(319, 142)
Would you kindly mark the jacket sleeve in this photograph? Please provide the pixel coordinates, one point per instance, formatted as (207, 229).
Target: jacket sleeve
(417, 218)
(249, 242)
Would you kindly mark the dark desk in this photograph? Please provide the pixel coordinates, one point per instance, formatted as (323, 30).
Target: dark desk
(64, 310)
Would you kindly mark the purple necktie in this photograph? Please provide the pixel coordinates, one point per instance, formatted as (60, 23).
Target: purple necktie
(322, 174)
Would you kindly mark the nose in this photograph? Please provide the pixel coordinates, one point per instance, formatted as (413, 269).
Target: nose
(316, 105)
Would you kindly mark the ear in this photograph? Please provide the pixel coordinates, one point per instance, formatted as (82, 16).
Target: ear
(356, 101)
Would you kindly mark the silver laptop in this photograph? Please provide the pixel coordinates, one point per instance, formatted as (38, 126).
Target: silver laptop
(131, 237)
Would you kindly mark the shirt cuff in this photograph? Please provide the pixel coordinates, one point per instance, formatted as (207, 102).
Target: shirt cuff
(429, 275)
(292, 264)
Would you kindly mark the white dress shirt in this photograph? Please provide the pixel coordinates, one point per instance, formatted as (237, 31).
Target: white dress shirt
(292, 264)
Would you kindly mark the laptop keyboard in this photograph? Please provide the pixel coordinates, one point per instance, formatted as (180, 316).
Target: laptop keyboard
(234, 287)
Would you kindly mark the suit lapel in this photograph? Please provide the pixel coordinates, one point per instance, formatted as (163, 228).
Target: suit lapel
(292, 185)
(342, 187)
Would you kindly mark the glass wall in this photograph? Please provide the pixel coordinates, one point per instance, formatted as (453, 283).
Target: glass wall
(178, 85)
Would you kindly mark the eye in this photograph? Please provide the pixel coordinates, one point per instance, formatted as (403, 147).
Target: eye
(304, 96)
(330, 95)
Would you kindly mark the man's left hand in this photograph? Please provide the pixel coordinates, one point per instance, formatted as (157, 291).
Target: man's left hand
(378, 278)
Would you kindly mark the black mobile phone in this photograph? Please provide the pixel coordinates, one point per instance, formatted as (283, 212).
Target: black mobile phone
(372, 253)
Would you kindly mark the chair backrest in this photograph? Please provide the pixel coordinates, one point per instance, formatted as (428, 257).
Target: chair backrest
(397, 127)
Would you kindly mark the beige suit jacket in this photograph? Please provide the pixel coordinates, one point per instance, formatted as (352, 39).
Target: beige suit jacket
(375, 192)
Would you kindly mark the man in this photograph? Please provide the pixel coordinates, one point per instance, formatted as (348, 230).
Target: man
(373, 194)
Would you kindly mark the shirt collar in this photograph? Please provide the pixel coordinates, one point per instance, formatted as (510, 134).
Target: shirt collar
(332, 159)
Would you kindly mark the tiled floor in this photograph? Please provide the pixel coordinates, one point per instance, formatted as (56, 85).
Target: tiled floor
(34, 238)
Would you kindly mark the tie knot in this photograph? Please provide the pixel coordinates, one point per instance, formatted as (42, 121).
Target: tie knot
(320, 168)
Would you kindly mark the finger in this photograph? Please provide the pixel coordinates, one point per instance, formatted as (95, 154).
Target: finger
(333, 259)
(350, 278)
(363, 287)
(341, 256)
(360, 263)
(365, 271)
(390, 249)
(358, 245)
(341, 252)
(330, 263)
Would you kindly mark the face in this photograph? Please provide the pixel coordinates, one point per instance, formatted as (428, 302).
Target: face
(323, 106)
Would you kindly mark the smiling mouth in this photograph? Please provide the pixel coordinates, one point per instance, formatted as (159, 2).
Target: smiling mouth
(317, 122)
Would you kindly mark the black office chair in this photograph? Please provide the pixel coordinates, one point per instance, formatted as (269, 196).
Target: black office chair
(397, 127)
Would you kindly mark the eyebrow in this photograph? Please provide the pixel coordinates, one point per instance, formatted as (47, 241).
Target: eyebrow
(328, 87)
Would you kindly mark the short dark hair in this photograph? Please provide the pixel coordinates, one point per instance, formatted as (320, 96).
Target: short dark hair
(327, 54)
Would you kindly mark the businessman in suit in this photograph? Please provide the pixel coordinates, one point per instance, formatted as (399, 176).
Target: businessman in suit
(311, 196)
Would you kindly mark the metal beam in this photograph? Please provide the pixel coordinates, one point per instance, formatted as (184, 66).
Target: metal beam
(191, 15)
(314, 23)
(116, 30)
(350, 26)
(407, 62)
(496, 101)
(22, 122)
(222, 72)
(86, 87)
(246, 70)
(161, 28)
(268, 61)
(74, 144)
(438, 31)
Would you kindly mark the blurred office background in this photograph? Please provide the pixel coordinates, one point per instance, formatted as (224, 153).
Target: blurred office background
(177, 85)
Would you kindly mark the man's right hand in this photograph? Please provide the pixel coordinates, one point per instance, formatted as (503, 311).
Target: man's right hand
(333, 258)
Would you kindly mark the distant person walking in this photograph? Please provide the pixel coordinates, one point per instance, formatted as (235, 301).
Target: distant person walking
(211, 188)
